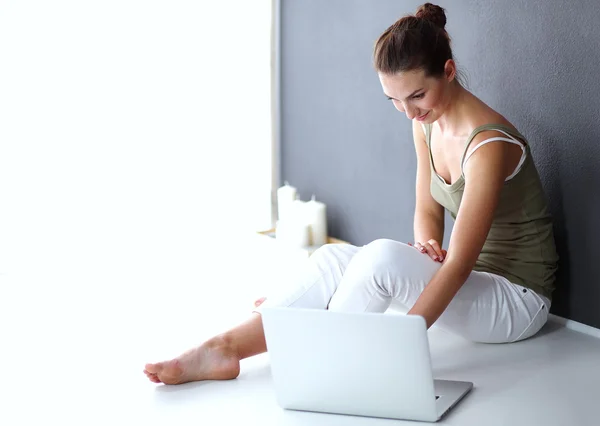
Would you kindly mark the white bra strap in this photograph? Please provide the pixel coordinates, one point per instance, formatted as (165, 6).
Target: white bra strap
(511, 140)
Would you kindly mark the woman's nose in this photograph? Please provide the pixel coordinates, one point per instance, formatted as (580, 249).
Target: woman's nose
(410, 113)
(409, 110)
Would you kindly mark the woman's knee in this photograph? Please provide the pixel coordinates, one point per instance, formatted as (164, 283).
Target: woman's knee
(381, 258)
(382, 252)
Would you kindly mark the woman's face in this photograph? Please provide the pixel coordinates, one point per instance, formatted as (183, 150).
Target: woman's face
(419, 97)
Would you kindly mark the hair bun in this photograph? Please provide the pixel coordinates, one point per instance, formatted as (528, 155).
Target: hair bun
(432, 13)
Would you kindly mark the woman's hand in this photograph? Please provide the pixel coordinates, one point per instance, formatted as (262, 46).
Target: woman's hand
(431, 248)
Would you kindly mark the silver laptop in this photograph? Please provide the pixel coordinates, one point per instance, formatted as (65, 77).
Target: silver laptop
(368, 364)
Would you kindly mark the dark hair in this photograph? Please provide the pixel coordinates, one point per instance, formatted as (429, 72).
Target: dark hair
(415, 42)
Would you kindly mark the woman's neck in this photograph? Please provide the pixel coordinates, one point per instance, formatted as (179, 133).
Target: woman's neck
(452, 122)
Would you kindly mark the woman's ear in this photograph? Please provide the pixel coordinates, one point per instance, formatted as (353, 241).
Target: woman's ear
(450, 70)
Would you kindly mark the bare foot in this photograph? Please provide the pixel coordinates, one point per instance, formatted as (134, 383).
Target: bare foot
(213, 360)
(259, 301)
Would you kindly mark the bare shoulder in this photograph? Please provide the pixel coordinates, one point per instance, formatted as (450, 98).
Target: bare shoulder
(486, 115)
(501, 156)
(492, 118)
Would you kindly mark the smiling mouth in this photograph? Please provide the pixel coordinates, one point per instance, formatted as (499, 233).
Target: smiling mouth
(423, 116)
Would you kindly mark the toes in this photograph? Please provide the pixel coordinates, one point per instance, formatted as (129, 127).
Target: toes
(154, 368)
(153, 377)
(166, 372)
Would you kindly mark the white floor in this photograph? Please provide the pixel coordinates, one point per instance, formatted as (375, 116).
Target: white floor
(74, 342)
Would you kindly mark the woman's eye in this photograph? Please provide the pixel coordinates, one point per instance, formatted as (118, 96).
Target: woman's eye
(419, 96)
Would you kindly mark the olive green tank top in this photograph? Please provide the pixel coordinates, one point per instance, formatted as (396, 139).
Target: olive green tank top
(520, 244)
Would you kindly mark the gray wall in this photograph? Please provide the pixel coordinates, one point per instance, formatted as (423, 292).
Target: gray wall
(536, 62)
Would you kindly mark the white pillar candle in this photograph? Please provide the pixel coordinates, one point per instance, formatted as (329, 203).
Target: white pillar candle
(316, 215)
(297, 211)
(285, 197)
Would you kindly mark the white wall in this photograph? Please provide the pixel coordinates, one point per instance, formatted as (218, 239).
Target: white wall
(131, 131)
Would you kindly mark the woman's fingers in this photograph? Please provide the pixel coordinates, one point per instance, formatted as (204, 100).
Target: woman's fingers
(420, 247)
(432, 249)
(436, 251)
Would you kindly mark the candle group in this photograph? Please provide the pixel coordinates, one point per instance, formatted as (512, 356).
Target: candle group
(300, 224)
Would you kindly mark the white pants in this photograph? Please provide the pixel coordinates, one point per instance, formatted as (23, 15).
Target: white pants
(343, 277)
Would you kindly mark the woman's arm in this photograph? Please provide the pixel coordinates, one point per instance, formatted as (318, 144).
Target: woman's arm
(484, 177)
(429, 215)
